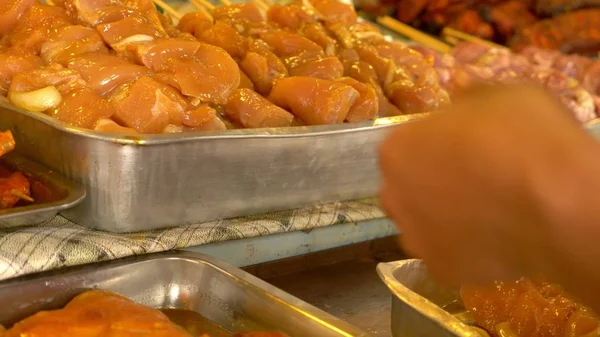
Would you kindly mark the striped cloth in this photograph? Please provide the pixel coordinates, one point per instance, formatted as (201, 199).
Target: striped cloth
(60, 242)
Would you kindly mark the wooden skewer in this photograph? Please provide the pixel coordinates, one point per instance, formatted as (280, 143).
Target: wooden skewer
(168, 9)
(226, 2)
(206, 4)
(202, 10)
(415, 35)
(21, 195)
(261, 5)
(456, 34)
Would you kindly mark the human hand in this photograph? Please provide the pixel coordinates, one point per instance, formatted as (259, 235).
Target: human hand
(477, 190)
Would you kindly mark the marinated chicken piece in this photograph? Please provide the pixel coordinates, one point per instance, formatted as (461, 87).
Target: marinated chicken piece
(342, 34)
(105, 72)
(13, 189)
(216, 124)
(110, 126)
(245, 82)
(70, 41)
(167, 22)
(317, 34)
(335, 11)
(133, 28)
(385, 68)
(408, 10)
(237, 12)
(327, 68)
(194, 23)
(197, 69)
(82, 108)
(288, 44)
(291, 16)
(251, 110)
(64, 80)
(11, 11)
(408, 59)
(224, 36)
(202, 118)
(7, 142)
(35, 27)
(361, 71)
(148, 106)
(89, 11)
(366, 106)
(13, 62)
(314, 101)
(262, 67)
(532, 308)
(410, 98)
(98, 313)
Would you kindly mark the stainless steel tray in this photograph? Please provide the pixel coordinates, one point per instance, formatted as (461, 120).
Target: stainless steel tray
(145, 182)
(228, 296)
(418, 302)
(52, 193)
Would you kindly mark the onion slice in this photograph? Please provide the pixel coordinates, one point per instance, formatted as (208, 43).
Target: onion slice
(37, 100)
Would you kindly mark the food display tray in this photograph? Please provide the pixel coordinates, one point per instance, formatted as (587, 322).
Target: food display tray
(227, 296)
(418, 302)
(143, 182)
(52, 193)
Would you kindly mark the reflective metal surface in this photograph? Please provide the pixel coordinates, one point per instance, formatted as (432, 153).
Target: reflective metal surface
(52, 193)
(230, 297)
(418, 300)
(150, 181)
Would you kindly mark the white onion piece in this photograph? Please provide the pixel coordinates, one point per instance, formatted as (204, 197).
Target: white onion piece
(38, 100)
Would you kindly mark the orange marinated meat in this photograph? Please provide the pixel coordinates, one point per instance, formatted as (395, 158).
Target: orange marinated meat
(317, 34)
(36, 26)
(314, 101)
(291, 16)
(7, 142)
(148, 106)
(262, 67)
(366, 106)
(98, 313)
(529, 308)
(105, 72)
(288, 44)
(335, 11)
(70, 41)
(410, 98)
(251, 110)
(11, 11)
(114, 33)
(14, 188)
(82, 108)
(13, 62)
(245, 82)
(65, 80)
(196, 69)
(225, 36)
(237, 12)
(327, 68)
(194, 23)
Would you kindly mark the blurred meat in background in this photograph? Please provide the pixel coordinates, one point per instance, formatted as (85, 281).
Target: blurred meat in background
(565, 25)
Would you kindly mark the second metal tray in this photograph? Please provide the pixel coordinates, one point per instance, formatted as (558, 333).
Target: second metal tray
(227, 296)
(51, 192)
(145, 182)
(418, 302)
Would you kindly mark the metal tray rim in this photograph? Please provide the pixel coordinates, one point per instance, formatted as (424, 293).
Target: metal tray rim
(76, 192)
(327, 320)
(419, 303)
(159, 139)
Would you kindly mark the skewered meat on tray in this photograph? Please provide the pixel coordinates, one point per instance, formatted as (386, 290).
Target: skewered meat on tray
(102, 313)
(529, 308)
(135, 72)
(472, 62)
